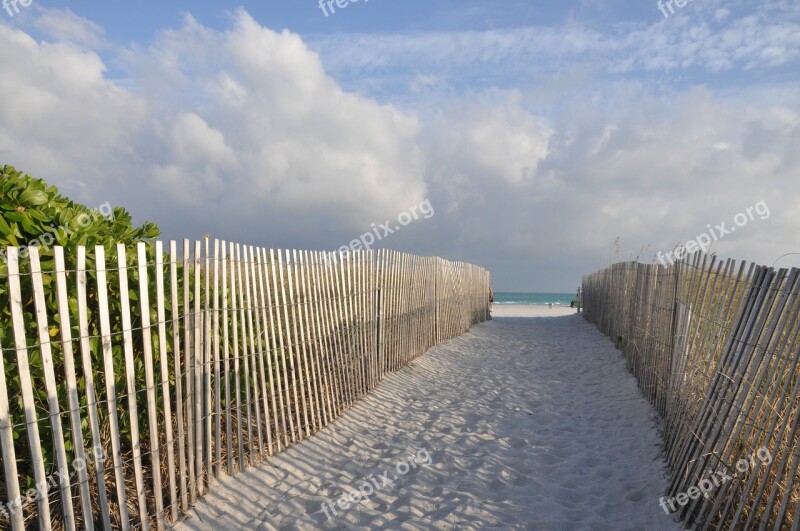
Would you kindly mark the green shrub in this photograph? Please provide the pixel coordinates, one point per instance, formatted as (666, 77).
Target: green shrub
(34, 213)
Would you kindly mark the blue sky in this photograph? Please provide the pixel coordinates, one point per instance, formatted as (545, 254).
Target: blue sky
(541, 132)
(141, 22)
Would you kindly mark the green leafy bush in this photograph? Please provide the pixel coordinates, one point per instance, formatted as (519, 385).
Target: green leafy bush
(34, 213)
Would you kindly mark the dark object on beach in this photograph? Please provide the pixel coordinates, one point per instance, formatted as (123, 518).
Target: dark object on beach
(577, 302)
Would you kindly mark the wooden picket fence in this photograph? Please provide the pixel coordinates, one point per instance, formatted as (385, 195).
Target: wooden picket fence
(715, 348)
(195, 364)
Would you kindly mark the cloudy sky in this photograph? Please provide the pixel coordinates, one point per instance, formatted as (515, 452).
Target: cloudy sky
(540, 132)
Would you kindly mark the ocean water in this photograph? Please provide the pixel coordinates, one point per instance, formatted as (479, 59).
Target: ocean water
(534, 299)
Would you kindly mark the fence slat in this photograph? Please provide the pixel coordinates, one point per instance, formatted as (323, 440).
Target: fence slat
(98, 456)
(23, 367)
(250, 339)
(72, 386)
(130, 377)
(235, 288)
(321, 343)
(331, 312)
(207, 365)
(245, 365)
(301, 321)
(277, 351)
(290, 348)
(345, 346)
(178, 372)
(263, 350)
(347, 323)
(46, 351)
(111, 393)
(149, 371)
(226, 355)
(188, 318)
(298, 352)
(9, 455)
(166, 399)
(198, 365)
(217, 371)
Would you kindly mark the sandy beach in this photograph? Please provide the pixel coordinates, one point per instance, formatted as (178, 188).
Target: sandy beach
(521, 310)
(529, 421)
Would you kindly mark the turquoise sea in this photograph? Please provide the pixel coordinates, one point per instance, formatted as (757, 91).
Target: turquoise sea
(534, 299)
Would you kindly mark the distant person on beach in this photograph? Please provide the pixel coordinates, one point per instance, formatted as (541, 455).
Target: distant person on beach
(577, 302)
(491, 299)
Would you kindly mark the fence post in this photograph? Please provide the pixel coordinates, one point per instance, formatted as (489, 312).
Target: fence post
(378, 331)
(436, 303)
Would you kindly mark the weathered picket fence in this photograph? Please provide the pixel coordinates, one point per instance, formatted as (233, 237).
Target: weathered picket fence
(130, 383)
(715, 348)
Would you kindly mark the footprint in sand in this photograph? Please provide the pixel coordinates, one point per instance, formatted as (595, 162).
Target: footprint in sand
(588, 462)
(605, 473)
(635, 496)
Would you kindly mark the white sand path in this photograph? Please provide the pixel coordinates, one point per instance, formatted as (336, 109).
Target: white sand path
(529, 423)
